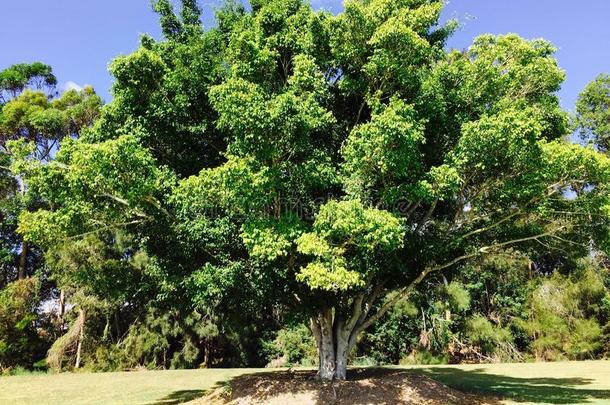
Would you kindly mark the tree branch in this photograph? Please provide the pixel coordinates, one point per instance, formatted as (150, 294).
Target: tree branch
(486, 228)
(408, 289)
(426, 217)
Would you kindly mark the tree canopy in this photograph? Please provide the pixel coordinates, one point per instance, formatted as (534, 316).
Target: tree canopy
(327, 164)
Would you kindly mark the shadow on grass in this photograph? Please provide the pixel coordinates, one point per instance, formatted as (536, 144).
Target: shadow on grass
(530, 390)
(378, 386)
(383, 386)
(262, 386)
(178, 397)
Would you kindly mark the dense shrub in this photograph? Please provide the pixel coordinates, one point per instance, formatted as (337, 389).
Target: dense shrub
(21, 344)
(162, 340)
(291, 346)
(565, 315)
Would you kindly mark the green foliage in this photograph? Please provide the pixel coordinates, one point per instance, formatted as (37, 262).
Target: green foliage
(385, 149)
(383, 46)
(593, 107)
(34, 117)
(239, 185)
(20, 343)
(170, 24)
(89, 181)
(394, 337)
(66, 345)
(159, 341)
(174, 28)
(105, 269)
(458, 296)
(504, 308)
(563, 317)
(425, 357)
(19, 76)
(481, 332)
(161, 92)
(346, 232)
(292, 346)
(268, 241)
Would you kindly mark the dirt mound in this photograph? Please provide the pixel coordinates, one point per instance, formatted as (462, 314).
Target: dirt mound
(364, 387)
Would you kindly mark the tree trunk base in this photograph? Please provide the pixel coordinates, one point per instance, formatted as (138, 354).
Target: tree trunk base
(333, 347)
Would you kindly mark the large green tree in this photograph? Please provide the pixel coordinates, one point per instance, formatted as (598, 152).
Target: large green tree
(34, 118)
(328, 164)
(30, 111)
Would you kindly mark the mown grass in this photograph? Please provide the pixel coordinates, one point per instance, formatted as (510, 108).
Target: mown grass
(138, 387)
(585, 382)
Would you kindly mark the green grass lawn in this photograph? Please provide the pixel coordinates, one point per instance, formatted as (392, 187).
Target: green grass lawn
(583, 382)
(539, 383)
(138, 387)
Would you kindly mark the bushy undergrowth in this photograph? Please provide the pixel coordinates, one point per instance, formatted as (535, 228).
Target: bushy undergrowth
(22, 342)
(561, 316)
(291, 346)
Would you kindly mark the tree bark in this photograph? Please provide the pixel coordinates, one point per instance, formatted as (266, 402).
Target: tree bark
(61, 310)
(23, 260)
(207, 361)
(335, 338)
(341, 352)
(326, 349)
(81, 335)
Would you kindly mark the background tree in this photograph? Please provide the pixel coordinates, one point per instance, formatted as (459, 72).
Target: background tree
(16, 78)
(32, 113)
(593, 109)
(35, 117)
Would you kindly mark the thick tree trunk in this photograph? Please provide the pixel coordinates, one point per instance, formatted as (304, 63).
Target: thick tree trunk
(326, 348)
(334, 340)
(336, 332)
(341, 352)
(326, 370)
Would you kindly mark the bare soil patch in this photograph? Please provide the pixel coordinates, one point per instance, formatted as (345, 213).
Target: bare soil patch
(367, 386)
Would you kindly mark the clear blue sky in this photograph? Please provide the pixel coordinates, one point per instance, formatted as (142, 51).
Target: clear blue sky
(80, 37)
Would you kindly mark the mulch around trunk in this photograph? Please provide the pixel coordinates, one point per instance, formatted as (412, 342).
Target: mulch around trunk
(364, 386)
